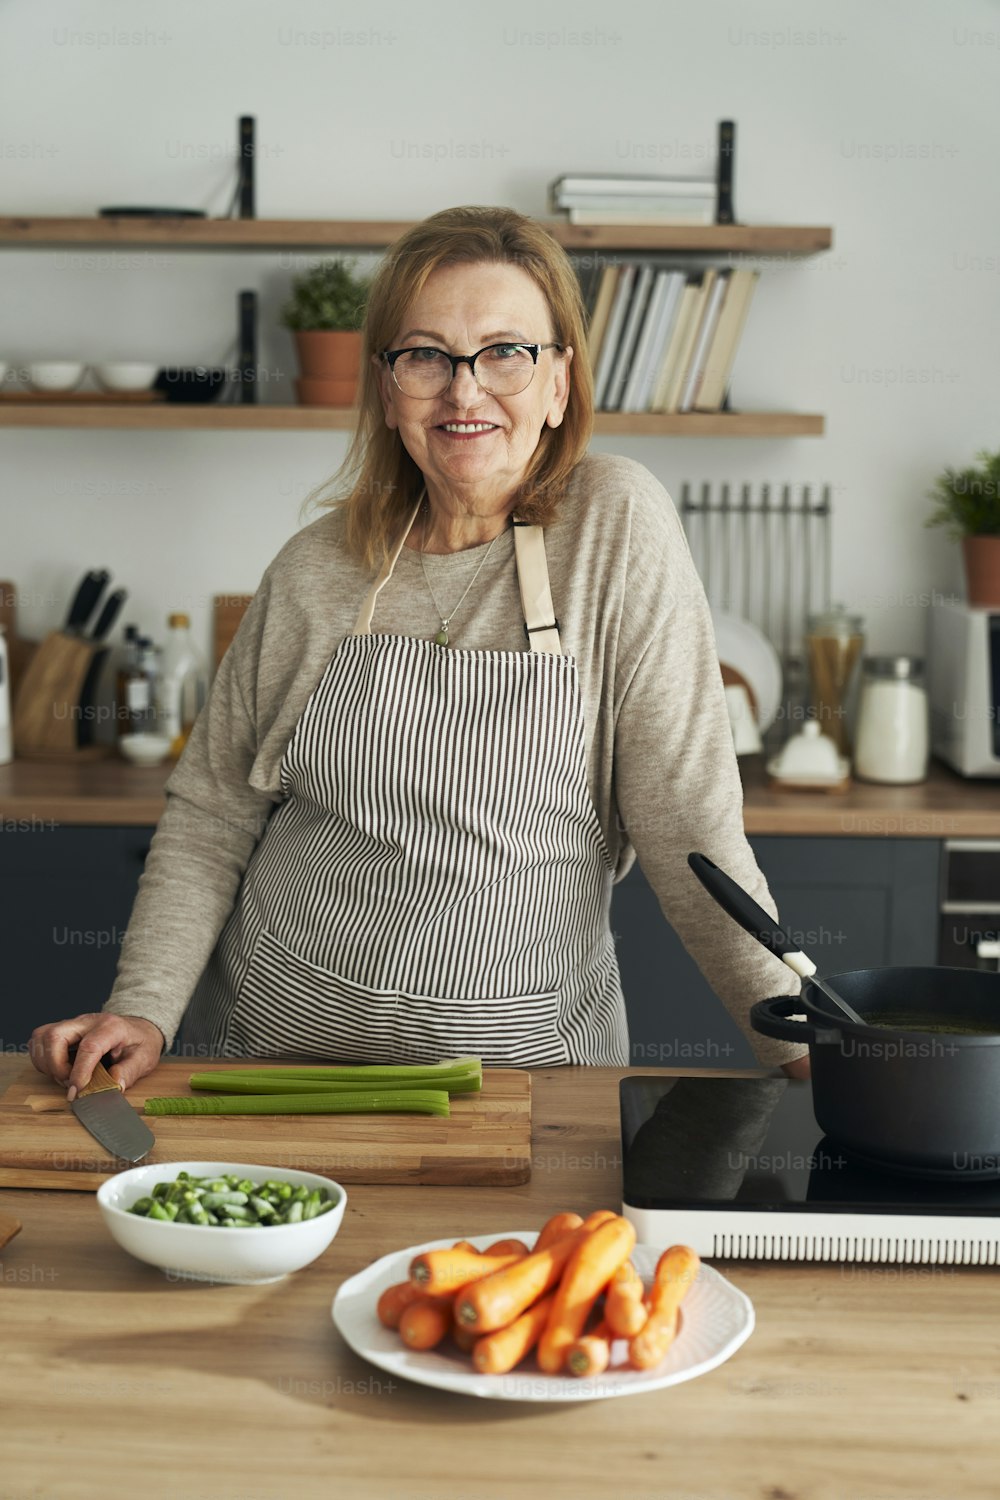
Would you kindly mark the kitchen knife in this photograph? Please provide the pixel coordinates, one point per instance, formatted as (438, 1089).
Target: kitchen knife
(102, 1108)
(84, 601)
(109, 614)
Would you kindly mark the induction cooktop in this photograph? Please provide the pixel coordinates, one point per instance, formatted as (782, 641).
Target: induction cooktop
(739, 1169)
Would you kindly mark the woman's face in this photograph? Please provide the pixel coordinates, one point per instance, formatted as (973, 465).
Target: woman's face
(462, 309)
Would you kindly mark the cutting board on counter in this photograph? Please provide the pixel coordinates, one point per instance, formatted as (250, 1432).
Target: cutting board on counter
(486, 1141)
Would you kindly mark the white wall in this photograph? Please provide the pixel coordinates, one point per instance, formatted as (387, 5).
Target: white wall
(878, 119)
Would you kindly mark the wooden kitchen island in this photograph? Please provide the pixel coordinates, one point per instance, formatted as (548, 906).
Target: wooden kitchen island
(858, 1381)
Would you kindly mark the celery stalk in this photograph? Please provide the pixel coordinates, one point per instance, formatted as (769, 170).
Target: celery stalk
(236, 1081)
(382, 1101)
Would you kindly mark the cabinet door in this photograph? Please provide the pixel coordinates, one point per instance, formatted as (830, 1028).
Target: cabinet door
(851, 903)
(65, 899)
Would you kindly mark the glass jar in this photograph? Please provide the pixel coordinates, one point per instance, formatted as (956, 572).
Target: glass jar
(892, 738)
(835, 641)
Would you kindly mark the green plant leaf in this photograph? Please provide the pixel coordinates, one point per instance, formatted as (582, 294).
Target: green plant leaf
(967, 501)
(331, 296)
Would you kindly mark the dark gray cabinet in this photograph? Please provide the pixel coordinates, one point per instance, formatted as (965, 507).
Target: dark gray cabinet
(850, 903)
(66, 895)
(65, 899)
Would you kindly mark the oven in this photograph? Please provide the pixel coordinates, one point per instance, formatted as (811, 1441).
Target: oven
(969, 922)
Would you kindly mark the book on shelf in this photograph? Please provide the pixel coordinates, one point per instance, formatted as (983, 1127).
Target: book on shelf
(601, 312)
(684, 353)
(633, 219)
(612, 332)
(706, 330)
(663, 305)
(676, 341)
(624, 185)
(650, 203)
(711, 391)
(637, 308)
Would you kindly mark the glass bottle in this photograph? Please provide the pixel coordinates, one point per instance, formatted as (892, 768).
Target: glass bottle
(126, 669)
(182, 685)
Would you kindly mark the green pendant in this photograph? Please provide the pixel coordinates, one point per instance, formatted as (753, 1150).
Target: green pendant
(441, 639)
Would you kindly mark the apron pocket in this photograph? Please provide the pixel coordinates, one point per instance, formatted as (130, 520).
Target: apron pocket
(290, 1007)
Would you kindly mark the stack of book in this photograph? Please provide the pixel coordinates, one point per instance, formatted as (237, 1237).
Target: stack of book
(592, 199)
(664, 340)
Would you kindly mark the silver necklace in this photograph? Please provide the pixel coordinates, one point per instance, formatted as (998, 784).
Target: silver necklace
(441, 638)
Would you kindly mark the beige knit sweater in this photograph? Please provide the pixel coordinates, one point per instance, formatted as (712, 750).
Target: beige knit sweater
(661, 768)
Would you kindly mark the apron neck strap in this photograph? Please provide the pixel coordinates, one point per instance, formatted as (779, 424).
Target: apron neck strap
(540, 624)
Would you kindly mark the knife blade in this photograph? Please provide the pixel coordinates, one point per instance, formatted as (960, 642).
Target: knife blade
(102, 1108)
(85, 599)
(109, 614)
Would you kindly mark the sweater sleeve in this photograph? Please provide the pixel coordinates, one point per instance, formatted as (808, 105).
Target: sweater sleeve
(678, 791)
(202, 845)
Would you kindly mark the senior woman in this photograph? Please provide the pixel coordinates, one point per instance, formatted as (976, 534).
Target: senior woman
(458, 707)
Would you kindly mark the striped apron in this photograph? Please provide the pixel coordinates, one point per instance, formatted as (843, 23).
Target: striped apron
(435, 881)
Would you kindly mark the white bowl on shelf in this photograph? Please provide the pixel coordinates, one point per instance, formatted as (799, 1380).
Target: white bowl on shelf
(209, 1252)
(55, 374)
(125, 375)
(145, 749)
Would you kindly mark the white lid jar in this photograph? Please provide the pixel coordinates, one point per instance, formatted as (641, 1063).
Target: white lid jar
(892, 739)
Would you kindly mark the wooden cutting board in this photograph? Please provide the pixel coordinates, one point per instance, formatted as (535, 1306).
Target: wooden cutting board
(485, 1142)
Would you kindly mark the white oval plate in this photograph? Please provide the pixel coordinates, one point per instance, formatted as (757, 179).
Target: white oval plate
(744, 647)
(716, 1319)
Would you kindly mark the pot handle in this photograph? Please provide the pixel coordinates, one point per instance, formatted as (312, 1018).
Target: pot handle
(771, 1018)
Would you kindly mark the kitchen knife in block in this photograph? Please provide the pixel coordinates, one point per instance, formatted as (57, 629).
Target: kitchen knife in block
(47, 705)
(102, 1108)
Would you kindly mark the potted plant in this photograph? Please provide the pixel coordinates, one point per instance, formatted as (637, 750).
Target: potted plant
(325, 313)
(967, 503)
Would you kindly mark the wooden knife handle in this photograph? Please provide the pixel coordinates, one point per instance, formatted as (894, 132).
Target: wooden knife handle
(100, 1080)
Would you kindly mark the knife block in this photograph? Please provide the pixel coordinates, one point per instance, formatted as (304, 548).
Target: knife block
(48, 706)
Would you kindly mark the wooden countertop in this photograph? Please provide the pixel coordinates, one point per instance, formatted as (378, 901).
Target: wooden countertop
(858, 1381)
(111, 791)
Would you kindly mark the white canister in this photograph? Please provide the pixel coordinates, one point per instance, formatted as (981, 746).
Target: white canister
(6, 738)
(892, 739)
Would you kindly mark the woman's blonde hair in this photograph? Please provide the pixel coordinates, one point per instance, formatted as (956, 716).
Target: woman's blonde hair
(378, 483)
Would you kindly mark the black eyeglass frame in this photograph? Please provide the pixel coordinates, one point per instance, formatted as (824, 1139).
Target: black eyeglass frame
(391, 355)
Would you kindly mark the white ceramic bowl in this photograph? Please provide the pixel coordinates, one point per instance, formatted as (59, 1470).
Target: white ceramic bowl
(55, 375)
(145, 749)
(194, 1252)
(124, 375)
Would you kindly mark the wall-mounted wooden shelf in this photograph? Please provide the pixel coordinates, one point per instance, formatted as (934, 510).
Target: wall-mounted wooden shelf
(175, 417)
(32, 232)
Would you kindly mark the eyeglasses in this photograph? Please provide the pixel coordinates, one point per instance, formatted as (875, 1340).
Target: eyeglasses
(499, 369)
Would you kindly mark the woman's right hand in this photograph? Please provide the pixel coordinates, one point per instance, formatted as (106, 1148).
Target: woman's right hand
(135, 1046)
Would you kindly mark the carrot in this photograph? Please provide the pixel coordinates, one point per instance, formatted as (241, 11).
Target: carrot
(675, 1273)
(393, 1301)
(590, 1354)
(445, 1271)
(555, 1228)
(598, 1217)
(591, 1266)
(464, 1245)
(500, 1298)
(500, 1351)
(425, 1322)
(463, 1338)
(624, 1308)
(507, 1247)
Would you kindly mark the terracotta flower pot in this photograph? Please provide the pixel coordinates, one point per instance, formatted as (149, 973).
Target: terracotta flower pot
(312, 392)
(982, 570)
(330, 363)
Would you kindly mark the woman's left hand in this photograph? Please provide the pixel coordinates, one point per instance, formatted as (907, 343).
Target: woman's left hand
(797, 1069)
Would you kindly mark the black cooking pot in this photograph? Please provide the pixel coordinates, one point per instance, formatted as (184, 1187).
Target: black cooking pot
(914, 1100)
